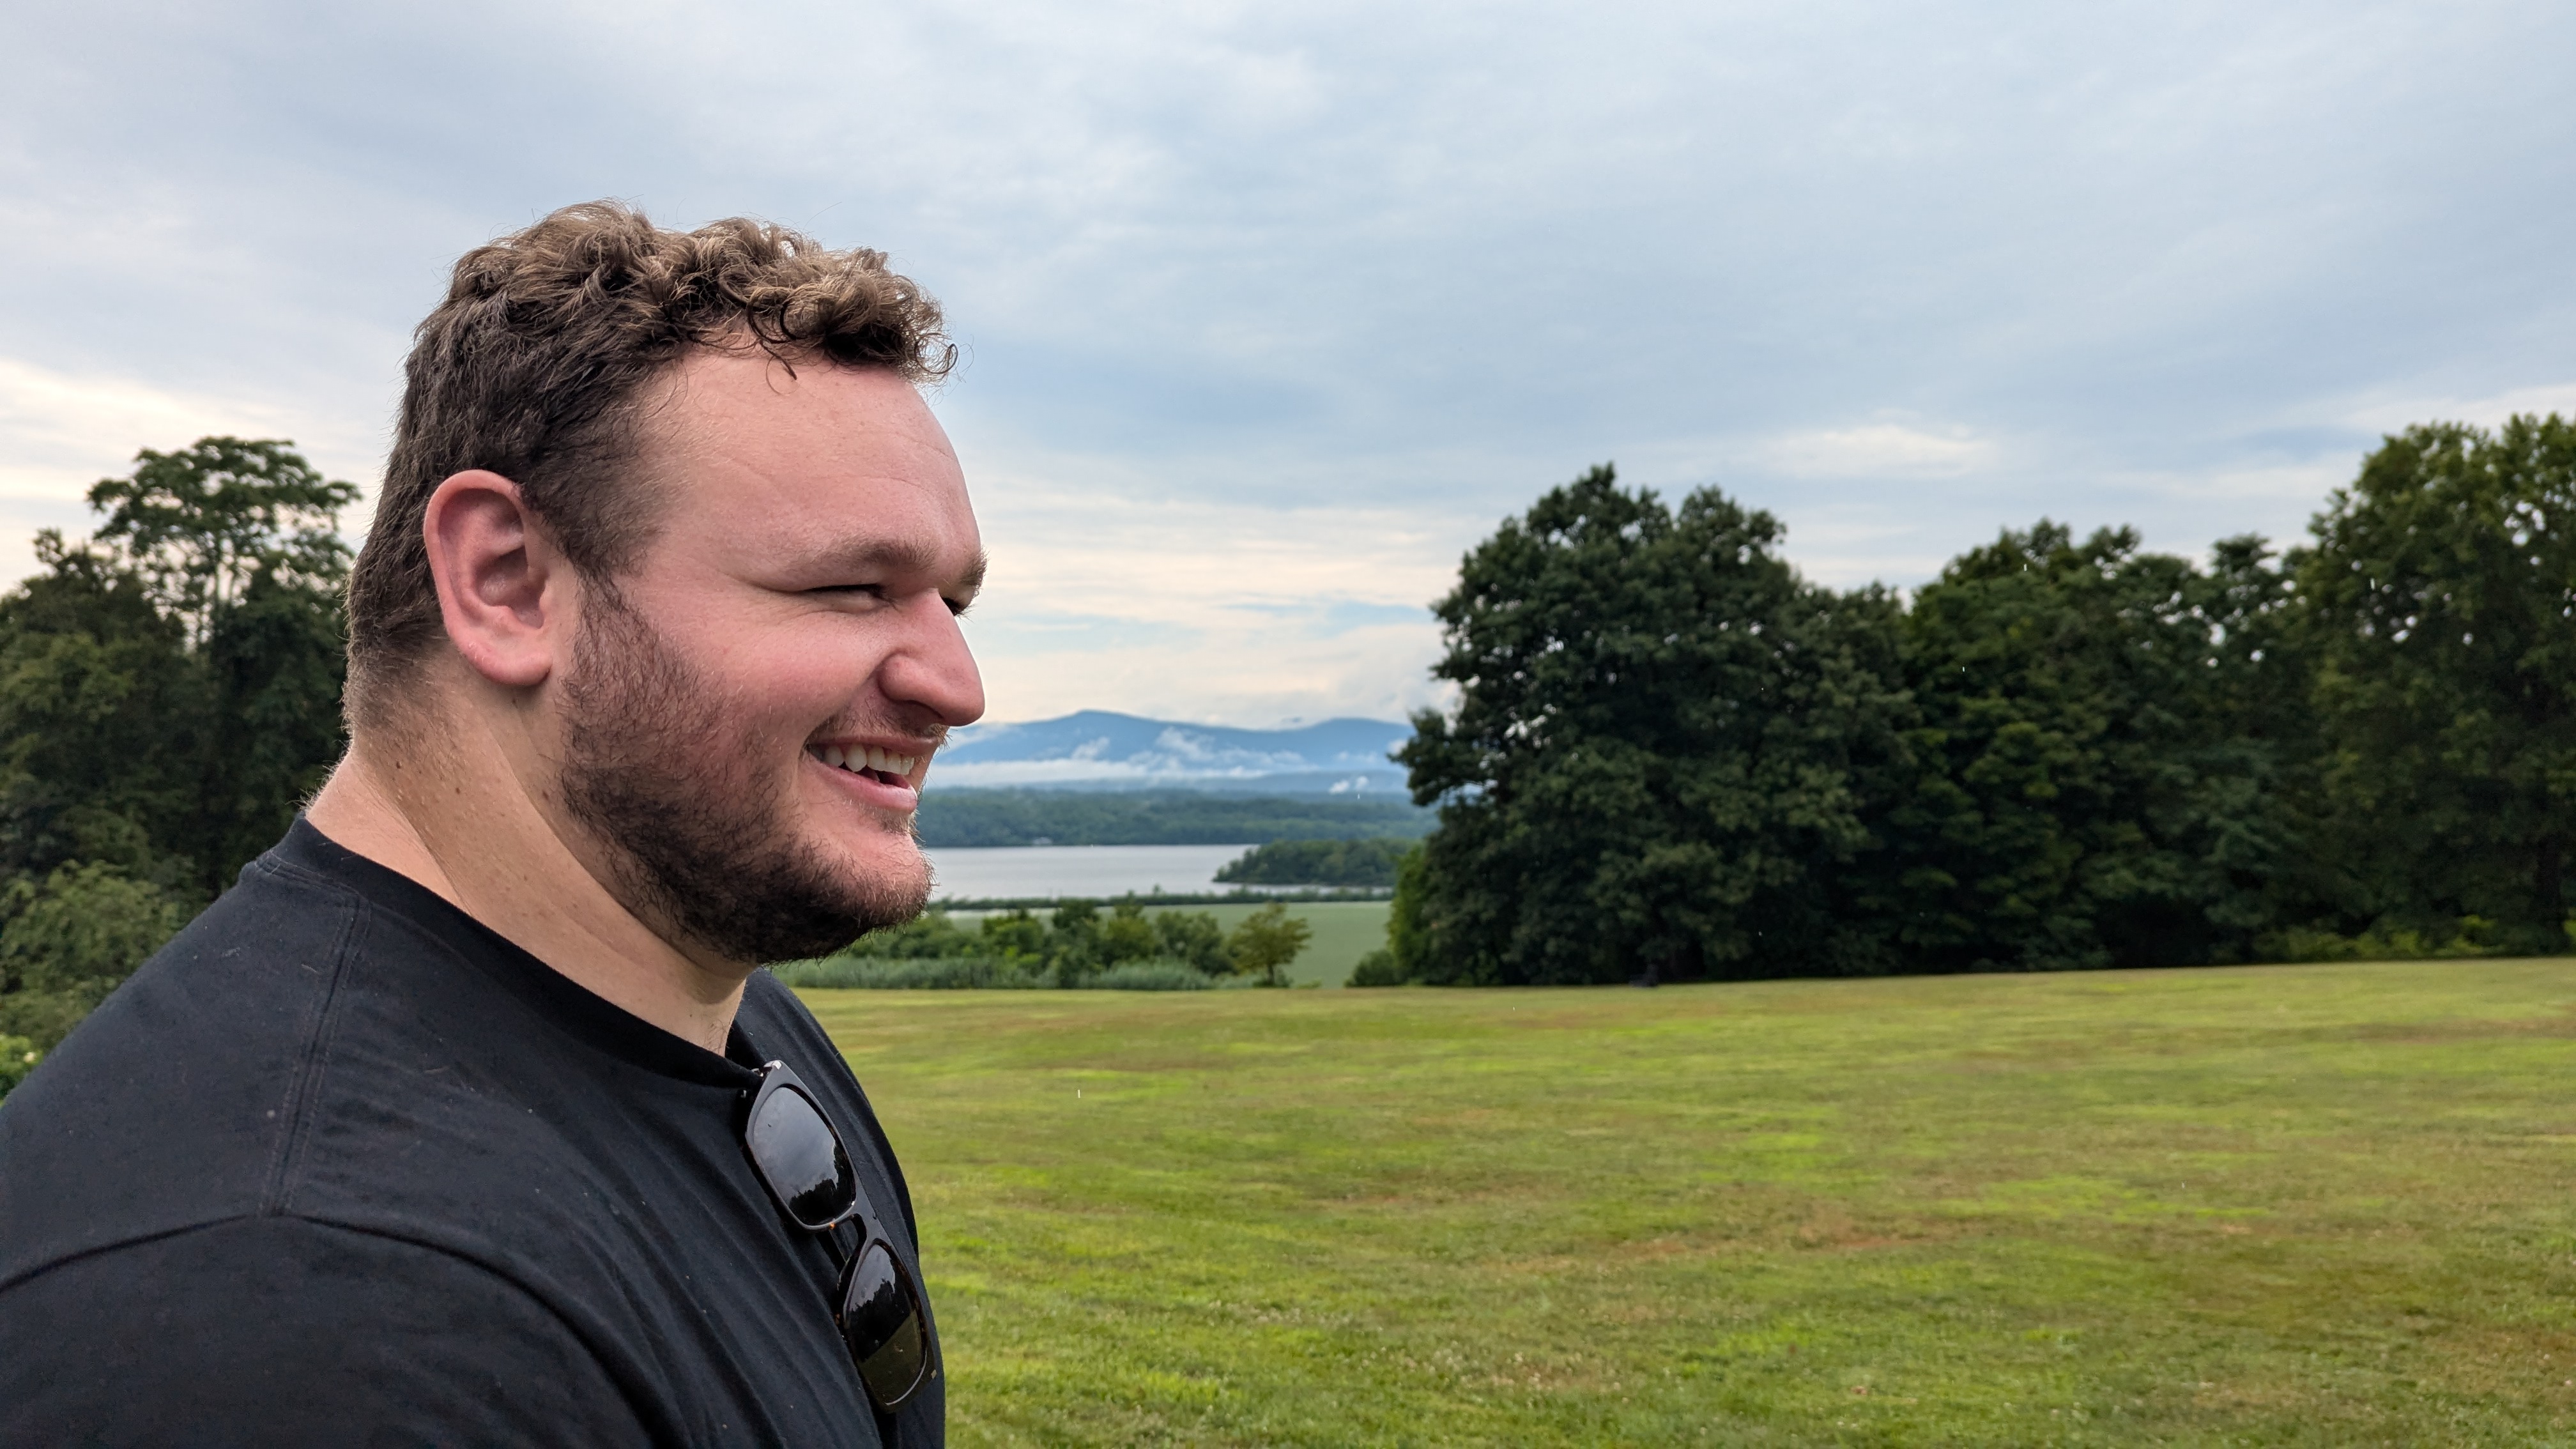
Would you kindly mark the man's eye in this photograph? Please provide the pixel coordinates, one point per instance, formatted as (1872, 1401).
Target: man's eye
(871, 591)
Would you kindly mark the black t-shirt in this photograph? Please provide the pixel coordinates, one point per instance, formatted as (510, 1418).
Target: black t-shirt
(340, 1165)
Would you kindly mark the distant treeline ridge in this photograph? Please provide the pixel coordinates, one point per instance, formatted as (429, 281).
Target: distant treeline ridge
(995, 816)
(1317, 863)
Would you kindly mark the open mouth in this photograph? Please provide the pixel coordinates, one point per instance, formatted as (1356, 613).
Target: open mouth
(870, 763)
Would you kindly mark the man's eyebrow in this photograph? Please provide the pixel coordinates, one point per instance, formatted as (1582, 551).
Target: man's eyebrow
(900, 556)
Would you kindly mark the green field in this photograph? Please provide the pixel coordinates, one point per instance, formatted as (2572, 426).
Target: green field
(2283, 1205)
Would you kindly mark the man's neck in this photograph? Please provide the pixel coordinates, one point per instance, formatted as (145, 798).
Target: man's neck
(442, 809)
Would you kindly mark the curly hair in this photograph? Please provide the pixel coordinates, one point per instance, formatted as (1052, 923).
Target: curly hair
(535, 364)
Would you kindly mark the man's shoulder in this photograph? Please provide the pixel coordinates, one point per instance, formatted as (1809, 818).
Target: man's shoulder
(771, 1011)
(298, 1019)
(279, 1330)
(165, 1107)
(777, 1019)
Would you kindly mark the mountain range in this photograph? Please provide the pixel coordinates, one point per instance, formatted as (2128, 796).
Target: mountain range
(1102, 750)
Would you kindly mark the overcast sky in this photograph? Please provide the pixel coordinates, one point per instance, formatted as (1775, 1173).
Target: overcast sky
(1271, 311)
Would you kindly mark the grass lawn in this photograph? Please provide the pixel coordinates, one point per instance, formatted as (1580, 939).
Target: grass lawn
(2279, 1205)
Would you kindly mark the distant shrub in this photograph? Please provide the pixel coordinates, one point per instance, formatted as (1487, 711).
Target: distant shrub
(2469, 936)
(1194, 937)
(922, 938)
(969, 973)
(18, 1057)
(1378, 968)
(877, 973)
(1148, 976)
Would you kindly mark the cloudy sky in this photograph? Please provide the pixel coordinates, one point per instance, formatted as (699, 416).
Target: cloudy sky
(1271, 311)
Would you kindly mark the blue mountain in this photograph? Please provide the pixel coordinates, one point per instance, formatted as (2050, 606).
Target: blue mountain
(1101, 750)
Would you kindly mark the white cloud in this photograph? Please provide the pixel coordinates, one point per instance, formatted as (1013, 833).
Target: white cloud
(1203, 609)
(1878, 450)
(60, 432)
(2392, 414)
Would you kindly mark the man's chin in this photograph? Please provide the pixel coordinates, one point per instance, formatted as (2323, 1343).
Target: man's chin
(890, 872)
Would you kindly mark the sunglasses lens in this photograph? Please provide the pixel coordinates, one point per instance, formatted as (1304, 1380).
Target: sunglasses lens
(796, 1149)
(881, 1322)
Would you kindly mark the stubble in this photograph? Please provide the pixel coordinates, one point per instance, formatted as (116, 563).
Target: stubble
(701, 839)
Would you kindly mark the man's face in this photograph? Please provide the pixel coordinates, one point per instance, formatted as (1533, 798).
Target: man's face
(753, 704)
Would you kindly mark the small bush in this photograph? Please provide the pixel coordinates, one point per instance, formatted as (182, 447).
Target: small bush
(2469, 936)
(1378, 968)
(1148, 976)
(68, 942)
(877, 973)
(18, 1057)
(919, 939)
(955, 973)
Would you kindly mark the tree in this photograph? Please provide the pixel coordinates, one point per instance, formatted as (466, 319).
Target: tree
(1663, 755)
(204, 524)
(1073, 942)
(69, 942)
(2439, 599)
(1015, 937)
(1377, 968)
(1194, 938)
(2089, 785)
(104, 719)
(1127, 935)
(173, 685)
(169, 695)
(1264, 943)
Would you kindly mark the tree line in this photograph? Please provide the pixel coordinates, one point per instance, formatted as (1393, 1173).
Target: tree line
(1672, 757)
(985, 816)
(1076, 945)
(1366, 862)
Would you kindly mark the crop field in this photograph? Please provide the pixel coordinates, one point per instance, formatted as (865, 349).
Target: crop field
(2325, 1205)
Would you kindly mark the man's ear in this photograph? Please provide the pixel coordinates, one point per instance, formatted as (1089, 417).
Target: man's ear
(503, 587)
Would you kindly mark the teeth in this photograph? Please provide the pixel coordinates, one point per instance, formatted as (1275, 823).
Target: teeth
(867, 758)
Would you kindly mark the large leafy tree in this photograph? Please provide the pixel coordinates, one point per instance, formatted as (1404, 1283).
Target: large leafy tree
(1660, 758)
(2440, 603)
(169, 693)
(103, 717)
(207, 526)
(2092, 784)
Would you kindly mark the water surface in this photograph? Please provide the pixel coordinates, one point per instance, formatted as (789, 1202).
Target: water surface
(1003, 872)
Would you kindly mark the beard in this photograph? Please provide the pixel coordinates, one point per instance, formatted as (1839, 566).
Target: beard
(700, 839)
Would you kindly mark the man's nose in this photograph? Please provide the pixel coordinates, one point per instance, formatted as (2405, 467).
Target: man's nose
(934, 669)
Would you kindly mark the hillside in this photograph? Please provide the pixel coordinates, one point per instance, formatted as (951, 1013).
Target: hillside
(1103, 750)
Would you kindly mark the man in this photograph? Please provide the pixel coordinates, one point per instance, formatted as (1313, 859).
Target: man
(455, 1121)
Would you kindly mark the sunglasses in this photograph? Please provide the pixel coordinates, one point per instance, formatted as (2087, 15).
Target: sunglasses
(799, 1158)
